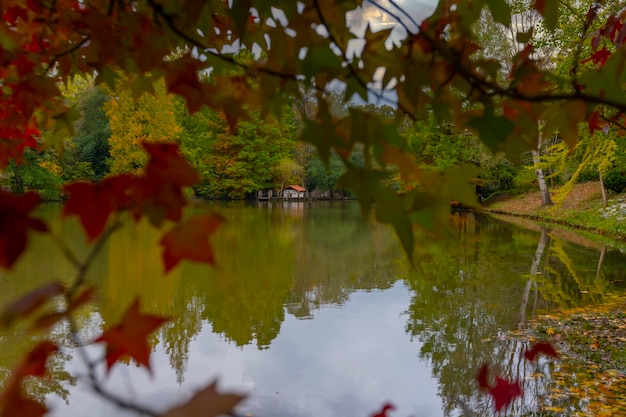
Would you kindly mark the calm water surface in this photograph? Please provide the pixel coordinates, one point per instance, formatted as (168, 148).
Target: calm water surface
(314, 312)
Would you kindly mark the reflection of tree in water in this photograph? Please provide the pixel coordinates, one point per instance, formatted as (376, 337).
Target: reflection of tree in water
(471, 287)
(337, 252)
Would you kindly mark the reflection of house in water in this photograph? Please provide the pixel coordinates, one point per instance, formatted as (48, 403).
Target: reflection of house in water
(294, 191)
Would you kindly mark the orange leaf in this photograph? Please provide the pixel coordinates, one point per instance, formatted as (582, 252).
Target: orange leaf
(12, 401)
(16, 405)
(35, 362)
(130, 336)
(30, 302)
(190, 240)
(207, 403)
(15, 222)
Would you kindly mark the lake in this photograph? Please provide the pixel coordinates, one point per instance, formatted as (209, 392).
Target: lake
(313, 311)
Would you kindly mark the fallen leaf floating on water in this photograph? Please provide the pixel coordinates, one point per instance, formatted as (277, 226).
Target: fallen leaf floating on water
(207, 403)
(504, 392)
(541, 347)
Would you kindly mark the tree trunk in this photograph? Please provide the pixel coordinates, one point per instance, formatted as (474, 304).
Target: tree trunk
(18, 184)
(605, 202)
(541, 179)
(534, 270)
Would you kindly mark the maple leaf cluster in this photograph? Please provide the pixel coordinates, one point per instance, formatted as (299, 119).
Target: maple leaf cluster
(157, 194)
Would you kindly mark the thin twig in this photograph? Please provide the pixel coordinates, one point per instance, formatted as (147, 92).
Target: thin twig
(81, 275)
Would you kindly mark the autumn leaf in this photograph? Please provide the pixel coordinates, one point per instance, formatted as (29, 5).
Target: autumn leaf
(190, 240)
(48, 320)
(598, 57)
(30, 302)
(159, 193)
(386, 408)
(207, 403)
(482, 377)
(15, 404)
(541, 347)
(130, 336)
(504, 392)
(35, 362)
(12, 400)
(595, 122)
(15, 223)
(93, 203)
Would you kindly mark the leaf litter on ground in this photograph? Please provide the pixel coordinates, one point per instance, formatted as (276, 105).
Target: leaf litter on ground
(589, 379)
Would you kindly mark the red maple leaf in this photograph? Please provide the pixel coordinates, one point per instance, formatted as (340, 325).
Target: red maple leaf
(386, 408)
(190, 240)
(15, 223)
(541, 347)
(12, 400)
(601, 56)
(159, 193)
(35, 362)
(595, 122)
(504, 392)
(130, 336)
(93, 203)
(483, 377)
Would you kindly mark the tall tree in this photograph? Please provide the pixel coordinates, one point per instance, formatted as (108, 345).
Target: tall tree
(93, 130)
(150, 117)
(244, 162)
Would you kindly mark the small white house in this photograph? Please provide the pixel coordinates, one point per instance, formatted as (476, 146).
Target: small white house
(294, 191)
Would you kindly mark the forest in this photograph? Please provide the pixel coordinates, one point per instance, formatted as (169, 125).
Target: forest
(266, 153)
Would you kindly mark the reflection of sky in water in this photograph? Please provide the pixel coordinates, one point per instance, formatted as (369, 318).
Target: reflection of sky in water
(345, 361)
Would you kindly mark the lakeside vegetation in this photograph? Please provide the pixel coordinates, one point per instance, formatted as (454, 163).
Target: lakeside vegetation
(125, 109)
(265, 153)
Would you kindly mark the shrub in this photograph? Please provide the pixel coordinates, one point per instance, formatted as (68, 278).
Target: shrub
(615, 180)
(587, 175)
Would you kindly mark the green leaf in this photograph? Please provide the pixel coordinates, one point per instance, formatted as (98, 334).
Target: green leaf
(493, 130)
(564, 118)
(549, 9)
(501, 11)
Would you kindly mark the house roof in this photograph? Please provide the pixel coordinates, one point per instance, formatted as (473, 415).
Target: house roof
(295, 187)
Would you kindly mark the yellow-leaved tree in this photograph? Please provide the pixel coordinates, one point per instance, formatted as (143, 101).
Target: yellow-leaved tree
(150, 117)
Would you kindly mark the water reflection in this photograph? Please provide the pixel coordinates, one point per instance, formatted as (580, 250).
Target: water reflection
(280, 264)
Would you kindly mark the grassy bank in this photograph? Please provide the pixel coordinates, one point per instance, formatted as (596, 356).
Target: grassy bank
(591, 340)
(582, 209)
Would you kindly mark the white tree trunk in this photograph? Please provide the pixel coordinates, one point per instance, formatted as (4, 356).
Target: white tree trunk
(541, 179)
(605, 202)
